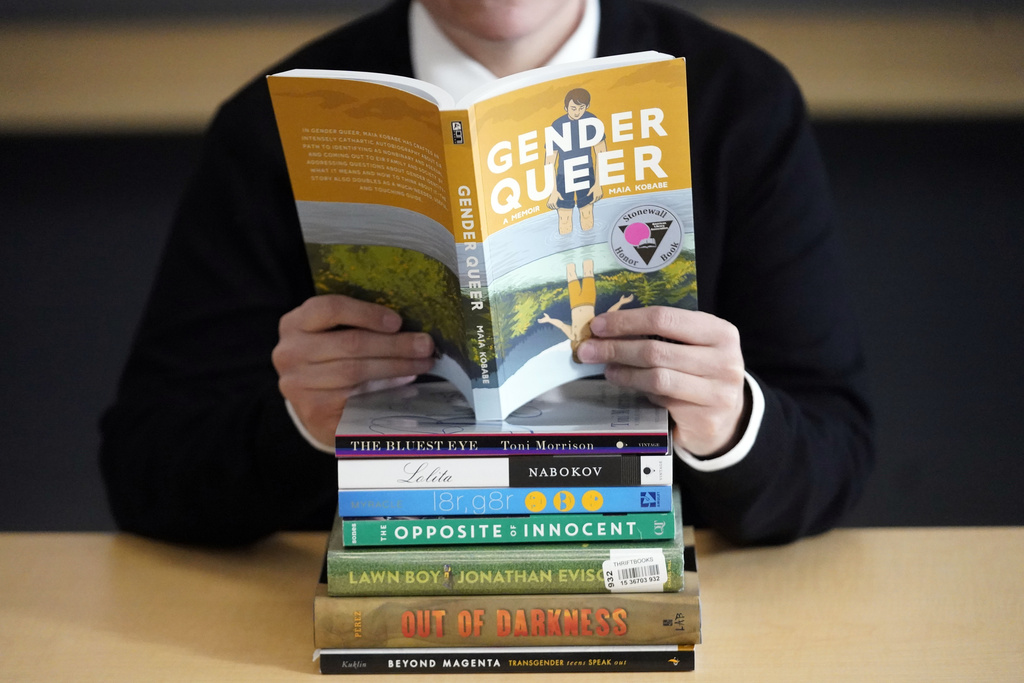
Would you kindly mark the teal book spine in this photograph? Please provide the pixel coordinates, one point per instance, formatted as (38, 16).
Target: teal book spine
(639, 526)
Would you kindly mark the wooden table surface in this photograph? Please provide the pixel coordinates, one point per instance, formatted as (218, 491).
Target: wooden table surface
(929, 604)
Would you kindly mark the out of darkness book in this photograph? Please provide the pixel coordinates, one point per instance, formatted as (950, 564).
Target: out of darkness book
(500, 620)
(502, 223)
(534, 568)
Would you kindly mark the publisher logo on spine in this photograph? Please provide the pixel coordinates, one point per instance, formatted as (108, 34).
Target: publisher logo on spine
(457, 133)
(646, 238)
(650, 499)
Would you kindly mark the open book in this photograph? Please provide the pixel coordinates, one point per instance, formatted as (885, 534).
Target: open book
(503, 223)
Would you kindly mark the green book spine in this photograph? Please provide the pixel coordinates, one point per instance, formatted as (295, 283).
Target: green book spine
(511, 620)
(639, 526)
(517, 568)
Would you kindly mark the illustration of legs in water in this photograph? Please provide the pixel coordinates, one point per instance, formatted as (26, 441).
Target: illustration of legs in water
(582, 299)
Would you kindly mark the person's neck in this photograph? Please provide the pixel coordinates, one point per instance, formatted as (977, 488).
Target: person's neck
(512, 55)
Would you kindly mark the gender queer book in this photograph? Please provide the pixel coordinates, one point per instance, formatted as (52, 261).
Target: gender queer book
(503, 223)
(529, 620)
(566, 567)
(585, 417)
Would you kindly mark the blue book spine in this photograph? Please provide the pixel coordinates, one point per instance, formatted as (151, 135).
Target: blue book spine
(502, 501)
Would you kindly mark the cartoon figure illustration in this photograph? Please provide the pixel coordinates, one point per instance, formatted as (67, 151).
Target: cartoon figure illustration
(584, 188)
(582, 298)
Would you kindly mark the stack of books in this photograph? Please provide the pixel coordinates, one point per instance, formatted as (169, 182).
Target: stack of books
(551, 541)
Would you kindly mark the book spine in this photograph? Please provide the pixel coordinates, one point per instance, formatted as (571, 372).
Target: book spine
(478, 660)
(592, 568)
(526, 443)
(640, 526)
(517, 471)
(503, 620)
(501, 501)
(463, 185)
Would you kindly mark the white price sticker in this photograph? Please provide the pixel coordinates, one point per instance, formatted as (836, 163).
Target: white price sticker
(637, 570)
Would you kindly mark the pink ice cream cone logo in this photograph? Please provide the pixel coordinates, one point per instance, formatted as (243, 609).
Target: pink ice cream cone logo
(636, 233)
(646, 238)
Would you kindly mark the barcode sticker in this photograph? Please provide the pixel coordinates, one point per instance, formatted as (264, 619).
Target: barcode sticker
(637, 570)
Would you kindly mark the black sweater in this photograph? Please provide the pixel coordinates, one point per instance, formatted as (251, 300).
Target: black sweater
(198, 446)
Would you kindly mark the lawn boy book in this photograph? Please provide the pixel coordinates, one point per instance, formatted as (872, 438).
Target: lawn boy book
(567, 567)
(584, 417)
(506, 620)
(391, 531)
(501, 224)
(569, 659)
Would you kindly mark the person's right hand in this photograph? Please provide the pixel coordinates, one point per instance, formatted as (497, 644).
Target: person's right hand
(332, 347)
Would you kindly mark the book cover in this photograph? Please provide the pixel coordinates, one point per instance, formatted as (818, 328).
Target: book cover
(500, 224)
(390, 531)
(568, 659)
(567, 567)
(501, 501)
(591, 416)
(516, 471)
(502, 620)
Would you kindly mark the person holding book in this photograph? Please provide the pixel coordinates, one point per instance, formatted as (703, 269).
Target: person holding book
(238, 374)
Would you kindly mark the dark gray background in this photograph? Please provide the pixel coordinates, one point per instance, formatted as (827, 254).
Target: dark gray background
(932, 214)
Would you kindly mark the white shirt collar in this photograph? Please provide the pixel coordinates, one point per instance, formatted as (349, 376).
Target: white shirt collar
(437, 60)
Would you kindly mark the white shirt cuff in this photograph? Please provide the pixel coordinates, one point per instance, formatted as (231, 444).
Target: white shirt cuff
(305, 432)
(746, 442)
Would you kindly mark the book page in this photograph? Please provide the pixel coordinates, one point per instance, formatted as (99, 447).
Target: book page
(356, 141)
(366, 163)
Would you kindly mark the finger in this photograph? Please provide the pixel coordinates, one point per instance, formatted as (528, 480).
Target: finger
(700, 361)
(664, 386)
(355, 344)
(676, 324)
(361, 344)
(328, 311)
(299, 349)
(706, 411)
(350, 374)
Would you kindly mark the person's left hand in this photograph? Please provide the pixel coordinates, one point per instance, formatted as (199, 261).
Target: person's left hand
(687, 361)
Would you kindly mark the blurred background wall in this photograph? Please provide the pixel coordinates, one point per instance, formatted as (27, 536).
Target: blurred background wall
(919, 108)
